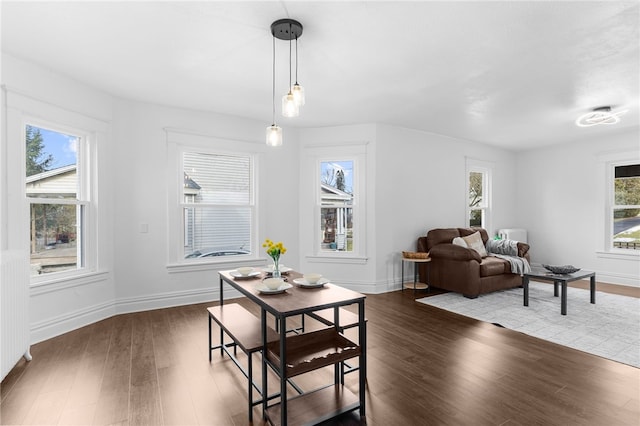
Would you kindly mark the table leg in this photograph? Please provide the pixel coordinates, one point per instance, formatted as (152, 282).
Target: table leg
(283, 372)
(563, 302)
(593, 288)
(362, 371)
(525, 286)
(210, 342)
(402, 274)
(415, 276)
(265, 391)
(555, 288)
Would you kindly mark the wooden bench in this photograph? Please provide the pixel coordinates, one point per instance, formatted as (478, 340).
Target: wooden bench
(346, 320)
(245, 331)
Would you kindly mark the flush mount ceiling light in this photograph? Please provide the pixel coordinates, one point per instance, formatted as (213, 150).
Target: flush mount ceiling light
(601, 115)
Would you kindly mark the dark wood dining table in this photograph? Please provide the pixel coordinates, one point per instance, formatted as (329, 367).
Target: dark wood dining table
(297, 300)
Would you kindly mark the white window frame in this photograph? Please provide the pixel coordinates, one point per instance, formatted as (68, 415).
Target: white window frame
(314, 157)
(85, 219)
(486, 169)
(605, 190)
(179, 142)
(611, 207)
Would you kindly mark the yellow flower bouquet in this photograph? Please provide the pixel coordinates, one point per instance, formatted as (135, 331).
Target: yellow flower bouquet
(275, 250)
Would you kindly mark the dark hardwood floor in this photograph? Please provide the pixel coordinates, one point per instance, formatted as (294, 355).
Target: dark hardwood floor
(426, 366)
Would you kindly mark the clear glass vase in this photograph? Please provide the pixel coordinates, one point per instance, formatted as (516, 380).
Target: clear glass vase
(276, 268)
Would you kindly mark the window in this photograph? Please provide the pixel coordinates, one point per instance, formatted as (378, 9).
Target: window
(624, 212)
(336, 205)
(478, 193)
(57, 189)
(217, 204)
(333, 196)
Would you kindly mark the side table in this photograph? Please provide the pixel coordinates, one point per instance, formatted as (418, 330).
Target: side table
(416, 285)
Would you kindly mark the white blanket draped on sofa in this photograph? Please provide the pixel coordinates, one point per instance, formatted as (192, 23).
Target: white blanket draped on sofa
(508, 250)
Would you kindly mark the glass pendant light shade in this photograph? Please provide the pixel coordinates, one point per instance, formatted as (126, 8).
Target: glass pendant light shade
(298, 94)
(274, 135)
(289, 106)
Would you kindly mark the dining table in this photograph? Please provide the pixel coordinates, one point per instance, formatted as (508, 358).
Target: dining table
(302, 352)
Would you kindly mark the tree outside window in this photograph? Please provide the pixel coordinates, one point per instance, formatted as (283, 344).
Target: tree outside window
(476, 205)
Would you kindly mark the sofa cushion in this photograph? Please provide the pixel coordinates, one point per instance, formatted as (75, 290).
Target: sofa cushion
(474, 241)
(468, 231)
(491, 266)
(452, 252)
(441, 236)
(523, 248)
(460, 242)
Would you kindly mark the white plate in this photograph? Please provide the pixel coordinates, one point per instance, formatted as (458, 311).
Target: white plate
(283, 269)
(266, 290)
(237, 274)
(304, 283)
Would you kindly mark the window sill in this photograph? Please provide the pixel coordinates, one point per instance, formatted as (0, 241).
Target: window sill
(175, 268)
(43, 285)
(354, 260)
(619, 255)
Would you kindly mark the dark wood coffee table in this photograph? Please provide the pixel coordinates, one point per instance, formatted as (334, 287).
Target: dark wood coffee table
(558, 279)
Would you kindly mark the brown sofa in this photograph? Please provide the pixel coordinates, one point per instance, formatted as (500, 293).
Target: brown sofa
(461, 269)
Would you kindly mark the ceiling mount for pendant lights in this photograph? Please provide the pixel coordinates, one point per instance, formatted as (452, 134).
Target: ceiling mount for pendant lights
(601, 115)
(285, 29)
(289, 30)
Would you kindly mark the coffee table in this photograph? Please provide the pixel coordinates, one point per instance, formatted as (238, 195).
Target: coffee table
(558, 279)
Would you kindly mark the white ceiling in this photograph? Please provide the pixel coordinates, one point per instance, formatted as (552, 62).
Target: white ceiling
(508, 73)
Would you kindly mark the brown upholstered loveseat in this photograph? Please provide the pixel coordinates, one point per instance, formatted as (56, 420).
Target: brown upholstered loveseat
(461, 269)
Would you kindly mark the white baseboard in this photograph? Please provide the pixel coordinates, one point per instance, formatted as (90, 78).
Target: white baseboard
(69, 321)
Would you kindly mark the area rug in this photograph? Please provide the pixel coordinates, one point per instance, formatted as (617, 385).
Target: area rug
(610, 328)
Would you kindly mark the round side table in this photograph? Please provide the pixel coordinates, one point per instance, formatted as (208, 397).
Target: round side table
(416, 285)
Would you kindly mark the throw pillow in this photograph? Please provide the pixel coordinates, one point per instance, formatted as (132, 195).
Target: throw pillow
(474, 241)
(460, 242)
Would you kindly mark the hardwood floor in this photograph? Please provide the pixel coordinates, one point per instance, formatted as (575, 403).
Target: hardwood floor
(426, 366)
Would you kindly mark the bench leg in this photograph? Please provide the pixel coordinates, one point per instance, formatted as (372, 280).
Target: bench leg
(250, 389)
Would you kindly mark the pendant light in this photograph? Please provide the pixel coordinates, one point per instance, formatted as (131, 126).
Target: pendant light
(274, 132)
(289, 105)
(283, 29)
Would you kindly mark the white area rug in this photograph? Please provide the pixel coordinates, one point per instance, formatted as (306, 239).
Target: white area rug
(610, 328)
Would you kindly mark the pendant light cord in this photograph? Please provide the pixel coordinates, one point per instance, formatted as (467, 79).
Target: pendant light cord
(296, 59)
(273, 81)
(290, 32)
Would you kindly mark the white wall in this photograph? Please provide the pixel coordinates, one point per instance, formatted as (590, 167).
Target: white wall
(359, 272)
(36, 93)
(560, 202)
(143, 280)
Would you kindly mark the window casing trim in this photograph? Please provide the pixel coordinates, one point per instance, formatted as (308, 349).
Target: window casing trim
(179, 142)
(86, 169)
(611, 162)
(315, 155)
